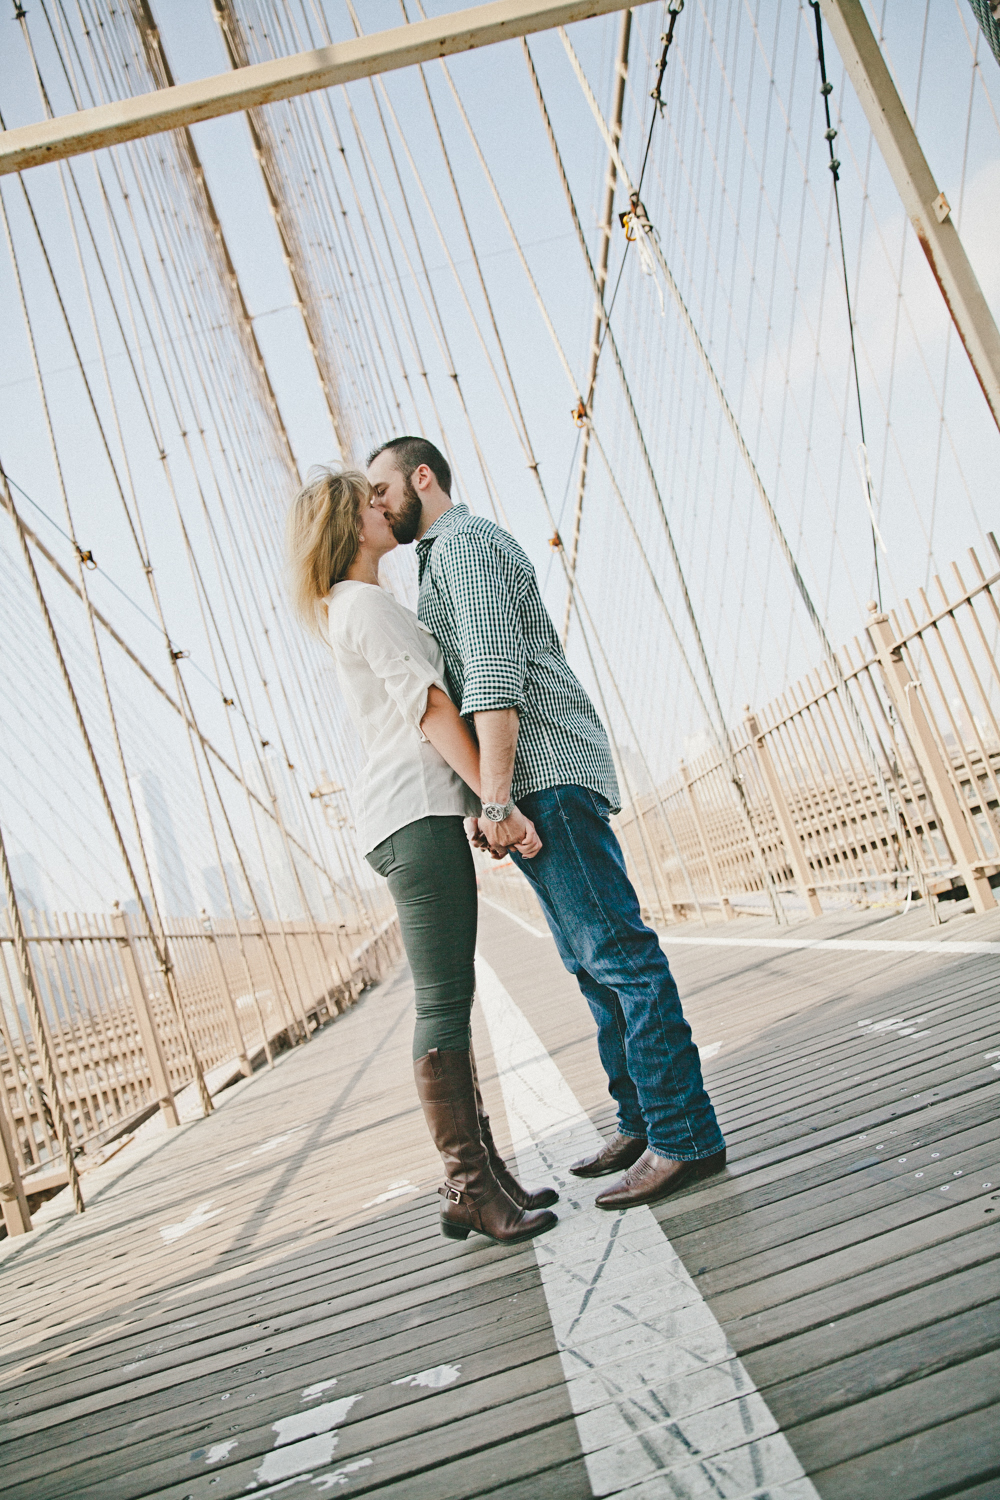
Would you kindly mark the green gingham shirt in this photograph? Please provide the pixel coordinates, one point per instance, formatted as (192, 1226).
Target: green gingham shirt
(480, 597)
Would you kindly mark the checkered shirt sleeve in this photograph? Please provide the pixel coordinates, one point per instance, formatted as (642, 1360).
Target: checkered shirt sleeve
(486, 590)
(480, 597)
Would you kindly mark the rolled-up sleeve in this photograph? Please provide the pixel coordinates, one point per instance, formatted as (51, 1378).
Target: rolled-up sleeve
(486, 589)
(393, 651)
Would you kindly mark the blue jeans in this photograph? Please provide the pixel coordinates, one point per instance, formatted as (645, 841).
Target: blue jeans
(644, 1042)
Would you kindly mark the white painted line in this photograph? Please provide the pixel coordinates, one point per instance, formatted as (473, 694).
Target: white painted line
(835, 945)
(848, 945)
(662, 1404)
(535, 931)
(194, 1220)
(432, 1380)
(394, 1190)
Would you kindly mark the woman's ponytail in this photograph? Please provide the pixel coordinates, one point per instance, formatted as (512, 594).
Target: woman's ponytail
(322, 536)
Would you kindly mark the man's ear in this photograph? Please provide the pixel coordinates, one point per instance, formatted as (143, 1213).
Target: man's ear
(422, 477)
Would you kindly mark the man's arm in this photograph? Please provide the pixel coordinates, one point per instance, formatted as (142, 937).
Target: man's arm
(486, 589)
(496, 730)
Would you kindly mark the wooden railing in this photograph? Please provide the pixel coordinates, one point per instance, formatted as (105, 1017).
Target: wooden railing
(121, 1050)
(884, 776)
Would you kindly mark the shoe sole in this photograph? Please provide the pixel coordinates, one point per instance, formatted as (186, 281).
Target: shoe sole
(462, 1232)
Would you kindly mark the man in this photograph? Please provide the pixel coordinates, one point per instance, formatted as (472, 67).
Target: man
(545, 758)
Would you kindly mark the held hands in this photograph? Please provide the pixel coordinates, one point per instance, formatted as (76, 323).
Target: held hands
(498, 839)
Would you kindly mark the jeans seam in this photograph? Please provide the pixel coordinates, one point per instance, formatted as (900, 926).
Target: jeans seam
(626, 963)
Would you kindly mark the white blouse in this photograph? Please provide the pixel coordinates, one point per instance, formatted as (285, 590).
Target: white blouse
(387, 662)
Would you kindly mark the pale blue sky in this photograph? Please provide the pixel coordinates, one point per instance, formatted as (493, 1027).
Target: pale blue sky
(739, 191)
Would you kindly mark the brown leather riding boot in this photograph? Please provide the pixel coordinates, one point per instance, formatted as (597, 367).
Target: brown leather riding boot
(474, 1200)
(543, 1197)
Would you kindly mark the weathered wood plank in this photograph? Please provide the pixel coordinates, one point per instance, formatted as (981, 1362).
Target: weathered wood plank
(849, 1319)
(811, 1227)
(946, 1460)
(113, 1371)
(888, 1363)
(903, 1412)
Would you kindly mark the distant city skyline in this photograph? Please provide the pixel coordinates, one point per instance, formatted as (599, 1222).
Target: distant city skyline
(167, 867)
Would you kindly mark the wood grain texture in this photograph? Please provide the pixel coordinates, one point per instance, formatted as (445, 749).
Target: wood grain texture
(850, 1251)
(249, 1274)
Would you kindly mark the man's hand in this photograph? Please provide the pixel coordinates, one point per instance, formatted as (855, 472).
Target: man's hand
(516, 832)
(478, 831)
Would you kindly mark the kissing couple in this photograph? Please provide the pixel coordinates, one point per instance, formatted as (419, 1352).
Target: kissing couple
(476, 728)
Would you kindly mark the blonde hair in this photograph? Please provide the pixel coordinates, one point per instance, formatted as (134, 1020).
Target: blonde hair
(322, 536)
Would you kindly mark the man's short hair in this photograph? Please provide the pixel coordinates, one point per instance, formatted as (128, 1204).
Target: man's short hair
(410, 452)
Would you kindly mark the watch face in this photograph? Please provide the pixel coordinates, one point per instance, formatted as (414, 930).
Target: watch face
(494, 811)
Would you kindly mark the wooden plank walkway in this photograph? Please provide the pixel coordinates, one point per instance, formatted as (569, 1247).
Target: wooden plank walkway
(260, 1302)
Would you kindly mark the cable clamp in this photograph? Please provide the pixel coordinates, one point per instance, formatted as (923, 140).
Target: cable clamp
(555, 542)
(178, 655)
(229, 703)
(639, 219)
(86, 558)
(830, 135)
(579, 413)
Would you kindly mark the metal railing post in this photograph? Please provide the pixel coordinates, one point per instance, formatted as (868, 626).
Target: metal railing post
(147, 1022)
(905, 694)
(783, 814)
(713, 868)
(246, 1067)
(16, 1215)
(44, 1051)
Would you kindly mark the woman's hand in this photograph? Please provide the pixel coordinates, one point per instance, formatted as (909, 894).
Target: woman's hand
(529, 844)
(475, 835)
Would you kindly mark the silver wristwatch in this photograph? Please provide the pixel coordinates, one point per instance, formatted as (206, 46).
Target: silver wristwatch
(495, 812)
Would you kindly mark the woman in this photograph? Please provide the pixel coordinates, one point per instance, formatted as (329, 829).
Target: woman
(410, 800)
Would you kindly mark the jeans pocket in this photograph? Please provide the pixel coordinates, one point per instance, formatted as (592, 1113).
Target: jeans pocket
(383, 857)
(601, 806)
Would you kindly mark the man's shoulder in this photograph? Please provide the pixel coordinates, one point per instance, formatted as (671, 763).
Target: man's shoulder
(477, 536)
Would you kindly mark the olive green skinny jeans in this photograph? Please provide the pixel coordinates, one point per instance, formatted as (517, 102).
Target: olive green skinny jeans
(432, 879)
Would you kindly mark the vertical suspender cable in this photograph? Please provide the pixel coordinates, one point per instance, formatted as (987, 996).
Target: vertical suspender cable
(721, 732)
(618, 105)
(641, 220)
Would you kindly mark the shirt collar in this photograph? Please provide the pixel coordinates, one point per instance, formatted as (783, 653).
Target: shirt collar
(444, 522)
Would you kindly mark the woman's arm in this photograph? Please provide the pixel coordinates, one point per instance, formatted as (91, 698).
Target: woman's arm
(451, 736)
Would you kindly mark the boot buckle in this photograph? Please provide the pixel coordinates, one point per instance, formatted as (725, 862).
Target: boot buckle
(450, 1194)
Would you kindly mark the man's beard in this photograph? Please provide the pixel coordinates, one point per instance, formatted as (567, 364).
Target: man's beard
(405, 524)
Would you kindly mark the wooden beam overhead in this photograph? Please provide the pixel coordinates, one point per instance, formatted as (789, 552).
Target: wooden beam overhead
(284, 77)
(927, 207)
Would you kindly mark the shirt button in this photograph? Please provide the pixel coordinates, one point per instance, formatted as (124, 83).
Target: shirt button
(406, 658)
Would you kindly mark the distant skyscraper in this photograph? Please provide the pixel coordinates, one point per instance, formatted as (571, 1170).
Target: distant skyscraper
(221, 886)
(31, 886)
(170, 879)
(289, 881)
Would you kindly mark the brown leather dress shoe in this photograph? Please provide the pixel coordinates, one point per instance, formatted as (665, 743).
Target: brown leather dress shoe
(654, 1177)
(614, 1156)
